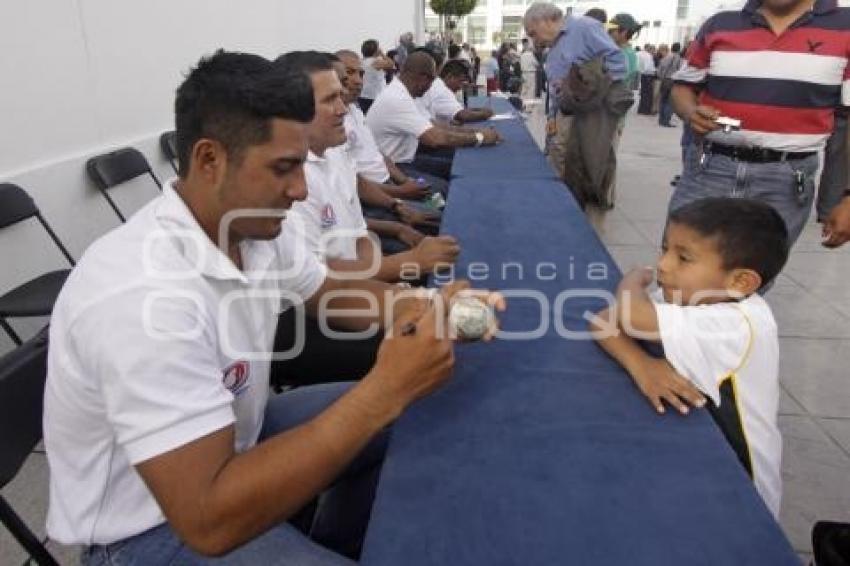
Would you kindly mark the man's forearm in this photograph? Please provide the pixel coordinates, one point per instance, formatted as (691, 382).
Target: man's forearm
(371, 193)
(396, 174)
(684, 100)
(266, 485)
(474, 115)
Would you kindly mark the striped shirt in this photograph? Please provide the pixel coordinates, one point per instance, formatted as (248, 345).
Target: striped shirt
(785, 88)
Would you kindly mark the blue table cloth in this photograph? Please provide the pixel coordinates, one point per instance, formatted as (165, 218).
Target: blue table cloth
(542, 451)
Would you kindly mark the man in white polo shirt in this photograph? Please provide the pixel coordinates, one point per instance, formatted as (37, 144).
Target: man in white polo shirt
(157, 388)
(441, 103)
(335, 230)
(361, 145)
(399, 126)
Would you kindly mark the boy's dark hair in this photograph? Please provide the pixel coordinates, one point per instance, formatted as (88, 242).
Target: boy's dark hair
(454, 51)
(369, 48)
(455, 68)
(750, 234)
(231, 98)
(306, 62)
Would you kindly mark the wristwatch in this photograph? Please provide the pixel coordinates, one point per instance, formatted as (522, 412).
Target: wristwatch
(479, 139)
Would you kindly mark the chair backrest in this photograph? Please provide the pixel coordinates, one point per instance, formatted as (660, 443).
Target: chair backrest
(23, 372)
(169, 148)
(15, 205)
(119, 166)
(114, 168)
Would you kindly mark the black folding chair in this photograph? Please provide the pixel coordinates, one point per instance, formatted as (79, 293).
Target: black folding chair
(22, 375)
(117, 167)
(35, 297)
(169, 149)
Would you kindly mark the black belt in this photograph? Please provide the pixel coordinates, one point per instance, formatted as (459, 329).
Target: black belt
(755, 154)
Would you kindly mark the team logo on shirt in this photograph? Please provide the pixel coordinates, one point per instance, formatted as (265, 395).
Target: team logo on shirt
(328, 217)
(236, 376)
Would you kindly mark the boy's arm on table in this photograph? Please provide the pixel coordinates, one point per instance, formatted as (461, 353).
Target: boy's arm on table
(655, 377)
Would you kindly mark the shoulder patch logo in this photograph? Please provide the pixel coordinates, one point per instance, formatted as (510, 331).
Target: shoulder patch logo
(236, 376)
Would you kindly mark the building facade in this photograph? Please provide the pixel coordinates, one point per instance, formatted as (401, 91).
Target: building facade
(665, 21)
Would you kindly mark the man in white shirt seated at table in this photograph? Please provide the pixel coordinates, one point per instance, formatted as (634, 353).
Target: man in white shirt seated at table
(371, 164)
(331, 225)
(163, 444)
(441, 103)
(399, 126)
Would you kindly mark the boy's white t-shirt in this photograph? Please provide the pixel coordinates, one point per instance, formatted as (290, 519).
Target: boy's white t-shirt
(730, 351)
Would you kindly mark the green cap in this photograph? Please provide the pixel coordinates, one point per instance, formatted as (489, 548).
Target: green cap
(623, 21)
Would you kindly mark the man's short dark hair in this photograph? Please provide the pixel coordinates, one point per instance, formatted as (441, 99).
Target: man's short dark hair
(307, 62)
(231, 98)
(676, 47)
(436, 54)
(597, 14)
(369, 48)
(454, 51)
(749, 233)
(455, 68)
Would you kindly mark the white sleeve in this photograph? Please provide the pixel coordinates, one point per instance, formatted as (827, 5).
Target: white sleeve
(300, 271)
(704, 343)
(444, 105)
(157, 366)
(409, 120)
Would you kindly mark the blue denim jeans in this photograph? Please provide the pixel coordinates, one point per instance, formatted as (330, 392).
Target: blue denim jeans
(283, 543)
(775, 183)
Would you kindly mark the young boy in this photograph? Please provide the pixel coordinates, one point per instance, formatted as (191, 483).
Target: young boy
(719, 336)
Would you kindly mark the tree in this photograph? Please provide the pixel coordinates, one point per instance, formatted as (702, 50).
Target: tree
(452, 9)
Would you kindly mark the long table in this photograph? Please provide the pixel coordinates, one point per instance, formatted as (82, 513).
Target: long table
(541, 451)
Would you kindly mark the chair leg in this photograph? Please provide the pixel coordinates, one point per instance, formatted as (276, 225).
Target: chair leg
(24, 536)
(8, 329)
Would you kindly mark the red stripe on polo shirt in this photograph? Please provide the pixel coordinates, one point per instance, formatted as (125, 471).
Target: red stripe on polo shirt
(834, 43)
(775, 119)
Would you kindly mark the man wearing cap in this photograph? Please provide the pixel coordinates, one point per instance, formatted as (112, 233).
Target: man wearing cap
(622, 28)
(572, 41)
(780, 67)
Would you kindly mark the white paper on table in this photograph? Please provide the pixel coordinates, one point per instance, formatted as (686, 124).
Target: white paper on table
(499, 117)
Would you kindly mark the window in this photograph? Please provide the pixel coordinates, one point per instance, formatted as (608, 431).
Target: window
(432, 24)
(513, 2)
(477, 30)
(481, 4)
(682, 9)
(656, 24)
(511, 28)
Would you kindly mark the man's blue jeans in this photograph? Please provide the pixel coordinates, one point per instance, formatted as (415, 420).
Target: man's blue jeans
(283, 543)
(712, 175)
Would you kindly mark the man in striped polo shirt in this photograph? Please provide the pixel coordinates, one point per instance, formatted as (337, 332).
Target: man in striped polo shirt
(781, 68)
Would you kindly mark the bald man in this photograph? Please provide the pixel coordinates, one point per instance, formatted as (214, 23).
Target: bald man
(400, 128)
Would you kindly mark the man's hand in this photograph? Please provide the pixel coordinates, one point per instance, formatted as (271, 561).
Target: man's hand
(702, 119)
(412, 190)
(409, 236)
(433, 252)
(486, 113)
(836, 229)
(551, 127)
(413, 360)
(461, 290)
(491, 136)
(413, 217)
(659, 382)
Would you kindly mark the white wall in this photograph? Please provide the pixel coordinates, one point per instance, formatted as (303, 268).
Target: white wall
(81, 77)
